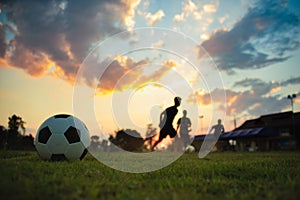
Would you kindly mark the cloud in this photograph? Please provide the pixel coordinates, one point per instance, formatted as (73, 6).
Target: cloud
(158, 44)
(223, 19)
(261, 97)
(38, 39)
(190, 6)
(122, 69)
(123, 72)
(198, 11)
(209, 8)
(257, 98)
(261, 88)
(179, 17)
(128, 19)
(153, 77)
(53, 37)
(59, 34)
(112, 73)
(154, 18)
(265, 35)
(38, 61)
(291, 81)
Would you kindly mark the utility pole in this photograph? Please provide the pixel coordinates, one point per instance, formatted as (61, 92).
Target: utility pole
(234, 122)
(292, 97)
(201, 123)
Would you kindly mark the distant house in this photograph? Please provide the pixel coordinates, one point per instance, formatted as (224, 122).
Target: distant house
(279, 131)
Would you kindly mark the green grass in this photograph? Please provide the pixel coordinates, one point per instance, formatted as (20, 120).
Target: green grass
(274, 175)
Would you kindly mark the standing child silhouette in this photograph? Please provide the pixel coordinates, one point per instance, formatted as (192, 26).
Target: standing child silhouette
(218, 128)
(184, 126)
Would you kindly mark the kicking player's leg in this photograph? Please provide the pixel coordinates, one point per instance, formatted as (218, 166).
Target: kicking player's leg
(162, 135)
(156, 143)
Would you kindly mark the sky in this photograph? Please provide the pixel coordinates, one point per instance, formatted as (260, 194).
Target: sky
(227, 59)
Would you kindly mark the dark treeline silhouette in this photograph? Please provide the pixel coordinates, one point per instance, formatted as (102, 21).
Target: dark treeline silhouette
(96, 144)
(14, 137)
(129, 140)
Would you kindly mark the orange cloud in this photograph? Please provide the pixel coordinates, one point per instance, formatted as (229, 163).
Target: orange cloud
(125, 72)
(34, 63)
(275, 89)
(231, 100)
(156, 75)
(200, 97)
(57, 48)
(224, 97)
(119, 74)
(39, 63)
(169, 63)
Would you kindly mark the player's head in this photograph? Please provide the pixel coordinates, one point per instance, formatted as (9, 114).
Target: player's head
(219, 121)
(177, 101)
(184, 113)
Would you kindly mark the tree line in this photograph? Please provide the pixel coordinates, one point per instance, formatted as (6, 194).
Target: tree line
(126, 139)
(13, 137)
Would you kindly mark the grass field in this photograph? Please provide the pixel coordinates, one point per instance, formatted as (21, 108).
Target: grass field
(274, 175)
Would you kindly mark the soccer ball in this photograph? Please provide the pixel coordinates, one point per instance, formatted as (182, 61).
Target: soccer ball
(62, 137)
(190, 149)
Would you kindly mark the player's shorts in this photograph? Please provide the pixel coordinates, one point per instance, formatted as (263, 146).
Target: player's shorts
(167, 130)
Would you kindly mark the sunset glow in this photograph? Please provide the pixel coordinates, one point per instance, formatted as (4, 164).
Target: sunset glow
(254, 60)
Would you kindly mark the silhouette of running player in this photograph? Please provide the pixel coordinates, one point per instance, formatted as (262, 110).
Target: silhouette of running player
(218, 128)
(184, 126)
(166, 122)
(150, 134)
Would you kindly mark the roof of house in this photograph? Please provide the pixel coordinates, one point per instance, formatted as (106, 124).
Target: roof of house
(271, 120)
(244, 133)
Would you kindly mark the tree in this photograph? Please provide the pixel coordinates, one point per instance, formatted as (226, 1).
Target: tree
(150, 134)
(14, 137)
(3, 137)
(15, 123)
(94, 146)
(26, 142)
(129, 140)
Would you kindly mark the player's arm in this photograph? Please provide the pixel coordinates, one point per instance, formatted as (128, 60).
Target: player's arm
(178, 124)
(161, 116)
(161, 121)
(189, 123)
(212, 128)
(223, 129)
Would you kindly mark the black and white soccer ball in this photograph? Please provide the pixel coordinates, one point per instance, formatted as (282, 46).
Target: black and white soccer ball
(62, 137)
(190, 149)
